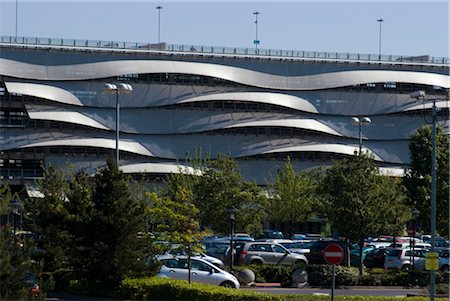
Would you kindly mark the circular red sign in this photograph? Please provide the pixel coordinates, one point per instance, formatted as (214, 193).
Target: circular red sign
(333, 254)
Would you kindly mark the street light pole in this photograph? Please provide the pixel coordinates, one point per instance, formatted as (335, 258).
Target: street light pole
(121, 88)
(360, 122)
(256, 41)
(17, 5)
(421, 95)
(433, 200)
(159, 7)
(379, 42)
(414, 214)
(14, 206)
(232, 211)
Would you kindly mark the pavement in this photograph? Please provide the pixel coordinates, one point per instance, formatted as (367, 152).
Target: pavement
(275, 288)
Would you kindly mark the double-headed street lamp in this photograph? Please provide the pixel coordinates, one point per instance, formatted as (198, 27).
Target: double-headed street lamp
(360, 121)
(121, 88)
(232, 216)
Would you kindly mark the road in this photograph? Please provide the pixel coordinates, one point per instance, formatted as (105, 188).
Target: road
(363, 291)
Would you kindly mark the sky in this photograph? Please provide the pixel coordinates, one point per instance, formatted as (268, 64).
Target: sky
(408, 27)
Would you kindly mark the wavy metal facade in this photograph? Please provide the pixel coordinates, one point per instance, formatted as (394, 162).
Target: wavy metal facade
(257, 109)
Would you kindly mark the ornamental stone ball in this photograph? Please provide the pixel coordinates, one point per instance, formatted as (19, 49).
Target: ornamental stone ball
(247, 276)
(300, 278)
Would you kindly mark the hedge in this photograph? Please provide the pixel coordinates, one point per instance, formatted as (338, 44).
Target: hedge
(155, 288)
(320, 276)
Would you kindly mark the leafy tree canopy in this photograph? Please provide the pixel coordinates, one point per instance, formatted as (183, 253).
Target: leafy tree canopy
(418, 177)
(358, 201)
(292, 195)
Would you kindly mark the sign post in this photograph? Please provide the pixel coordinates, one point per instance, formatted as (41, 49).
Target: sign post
(432, 261)
(333, 254)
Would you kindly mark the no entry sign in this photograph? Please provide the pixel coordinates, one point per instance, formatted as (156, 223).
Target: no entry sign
(333, 254)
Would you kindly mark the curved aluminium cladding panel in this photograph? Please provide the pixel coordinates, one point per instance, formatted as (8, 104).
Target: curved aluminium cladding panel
(159, 168)
(440, 103)
(144, 121)
(68, 117)
(43, 91)
(243, 76)
(202, 124)
(326, 147)
(307, 124)
(279, 99)
(128, 146)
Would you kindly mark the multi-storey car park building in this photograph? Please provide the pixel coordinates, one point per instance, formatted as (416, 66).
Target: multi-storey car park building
(256, 106)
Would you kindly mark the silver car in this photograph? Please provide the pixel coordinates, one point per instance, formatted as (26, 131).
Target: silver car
(405, 259)
(176, 267)
(269, 253)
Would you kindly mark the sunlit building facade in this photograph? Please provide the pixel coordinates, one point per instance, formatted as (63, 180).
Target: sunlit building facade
(256, 106)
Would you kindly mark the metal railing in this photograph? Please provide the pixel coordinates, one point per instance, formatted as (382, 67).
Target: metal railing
(108, 45)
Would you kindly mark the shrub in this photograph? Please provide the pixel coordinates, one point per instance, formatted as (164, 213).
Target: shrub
(156, 288)
(321, 274)
(169, 289)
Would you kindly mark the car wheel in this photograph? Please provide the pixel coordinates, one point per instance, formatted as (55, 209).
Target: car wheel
(256, 261)
(228, 284)
(406, 268)
(444, 268)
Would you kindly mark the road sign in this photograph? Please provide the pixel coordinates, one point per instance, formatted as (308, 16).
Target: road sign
(431, 261)
(333, 254)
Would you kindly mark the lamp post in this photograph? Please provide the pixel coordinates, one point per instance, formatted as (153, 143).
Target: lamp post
(421, 95)
(414, 214)
(379, 41)
(360, 121)
(256, 41)
(159, 7)
(121, 88)
(17, 5)
(14, 207)
(232, 216)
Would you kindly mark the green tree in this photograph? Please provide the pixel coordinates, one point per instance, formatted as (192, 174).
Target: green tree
(357, 201)
(221, 187)
(117, 224)
(418, 177)
(15, 258)
(292, 196)
(49, 216)
(80, 207)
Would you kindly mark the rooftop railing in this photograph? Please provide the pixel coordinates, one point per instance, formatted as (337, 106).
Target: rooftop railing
(113, 45)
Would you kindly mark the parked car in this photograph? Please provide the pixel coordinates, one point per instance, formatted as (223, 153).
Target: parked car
(354, 254)
(444, 259)
(176, 267)
(316, 249)
(268, 234)
(306, 236)
(407, 245)
(405, 259)
(269, 253)
(375, 258)
(242, 237)
(296, 247)
(201, 255)
(440, 242)
(218, 252)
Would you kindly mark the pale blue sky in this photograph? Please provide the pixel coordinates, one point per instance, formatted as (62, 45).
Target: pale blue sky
(409, 28)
